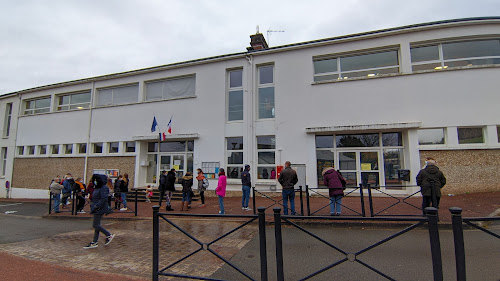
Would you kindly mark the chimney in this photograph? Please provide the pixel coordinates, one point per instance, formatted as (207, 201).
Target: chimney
(257, 42)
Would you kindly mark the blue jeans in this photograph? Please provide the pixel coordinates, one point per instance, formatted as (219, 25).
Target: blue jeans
(57, 201)
(288, 194)
(186, 196)
(221, 204)
(96, 224)
(124, 199)
(246, 196)
(335, 204)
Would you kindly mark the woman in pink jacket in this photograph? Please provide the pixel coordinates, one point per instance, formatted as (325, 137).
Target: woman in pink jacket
(221, 189)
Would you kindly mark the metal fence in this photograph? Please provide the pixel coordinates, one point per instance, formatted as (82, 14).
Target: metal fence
(275, 202)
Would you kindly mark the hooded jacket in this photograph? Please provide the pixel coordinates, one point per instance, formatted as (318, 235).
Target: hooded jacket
(427, 177)
(170, 185)
(245, 177)
(68, 185)
(332, 180)
(187, 183)
(163, 182)
(99, 204)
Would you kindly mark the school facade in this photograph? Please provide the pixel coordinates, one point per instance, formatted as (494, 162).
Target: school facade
(374, 105)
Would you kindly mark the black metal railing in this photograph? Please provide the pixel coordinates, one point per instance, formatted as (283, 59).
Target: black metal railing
(397, 200)
(64, 209)
(206, 246)
(274, 202)
(316, 192)
(458, 237)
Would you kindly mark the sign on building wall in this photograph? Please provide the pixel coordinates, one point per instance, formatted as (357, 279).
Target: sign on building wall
(111, 173)
(210, 169)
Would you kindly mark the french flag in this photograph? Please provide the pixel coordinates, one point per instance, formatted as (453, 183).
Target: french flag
(169, 126)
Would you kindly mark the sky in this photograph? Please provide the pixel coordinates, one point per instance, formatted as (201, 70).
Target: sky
(44, 42)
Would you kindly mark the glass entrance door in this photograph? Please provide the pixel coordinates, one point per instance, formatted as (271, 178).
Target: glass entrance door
(359, 167)
(175, 161)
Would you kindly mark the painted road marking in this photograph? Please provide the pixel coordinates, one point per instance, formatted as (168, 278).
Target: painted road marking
(11, 204)
(10, 212)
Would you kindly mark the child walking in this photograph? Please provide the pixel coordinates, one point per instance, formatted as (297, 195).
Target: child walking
(149, 193)
(221, 190)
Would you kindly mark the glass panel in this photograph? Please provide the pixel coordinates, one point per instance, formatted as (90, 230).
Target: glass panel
(173, 146)
(80, 98)
(68, 149)
(326, 77)
(266, 142)
(55, 149)
(235, 78)
(431, 136)
(125, 94)
(235, 143)
(152, 147)
(151, 171)
(389, 58)
(266, 157)
(235, 158)
(63, 100)
(370, 73)
(424, 53)
(31, 150)
(470, 135)
(392, 139)
(266, 74)
(42, 110)
(347, 161)
(105, 97)
(393, 159)
(351, 179)
(113, 147)
(98, 147)
(323, 66)
(189, 157)
(264, 172)
(369, 161)
(361, 140)
(266, 102)
(42, 103)
(20, 150)
(43, 149)
(82, 148)
(371, 178)
(179, 159)
(430, 66)
(183, 87)
(190, 145)
(130, 146)
(234, 172)
(324, 141)
(235, 106)
(154, 91)
(324, 158)
(473, 62)
(165, 163)
(471, 49)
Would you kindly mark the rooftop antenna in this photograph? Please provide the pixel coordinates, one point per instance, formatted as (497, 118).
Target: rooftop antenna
(271, 31)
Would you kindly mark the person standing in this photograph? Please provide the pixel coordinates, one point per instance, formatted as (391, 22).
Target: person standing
(68, 183)
(162, 187)
(79, 190)
(170, 188)
(333, 180)
(246, 183)
(117, 191)
(98, 208)
(221, 190)
(124, 191)
(431, 180)
(288, 179)
(109, 183)
(202, 186)
(187, 183)
(55, 193)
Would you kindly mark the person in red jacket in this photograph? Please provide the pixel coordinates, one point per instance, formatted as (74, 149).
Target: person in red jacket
(335, 183)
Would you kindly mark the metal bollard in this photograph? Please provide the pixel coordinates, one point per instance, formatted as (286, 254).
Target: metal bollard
(156, 242)
(253, 199)
(50, 203)
(301, 201)
(263, 243)
(279, 244)
(458, 239)
(361, 196)
(307, 201)
(136, 196)
(437, 263)
(370, 199)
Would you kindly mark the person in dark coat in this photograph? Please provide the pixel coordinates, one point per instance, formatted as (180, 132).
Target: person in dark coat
(169, 188)
(98, 208)
(246, 185)
(333, 180)
(187, 184)
(431, 180)
(162, 187)
(288, 179)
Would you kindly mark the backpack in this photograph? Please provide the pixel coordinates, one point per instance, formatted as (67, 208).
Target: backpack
(205, 183)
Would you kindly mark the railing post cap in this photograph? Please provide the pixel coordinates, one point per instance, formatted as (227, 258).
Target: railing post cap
(277, 210)
(455, 210)
(261, 209)
(431, 211)
(156, 208)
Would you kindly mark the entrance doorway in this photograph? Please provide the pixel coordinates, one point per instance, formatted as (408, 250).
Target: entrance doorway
(177, 162)
(360, 167)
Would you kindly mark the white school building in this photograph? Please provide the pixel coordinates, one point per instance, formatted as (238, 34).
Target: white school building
(373, 104)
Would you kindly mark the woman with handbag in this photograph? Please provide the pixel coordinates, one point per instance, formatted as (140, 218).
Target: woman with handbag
(202, 186)
(335, 183)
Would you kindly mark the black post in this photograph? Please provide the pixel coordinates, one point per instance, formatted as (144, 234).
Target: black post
(156, 242)
(253, 199)
(73, 208)
(458, 238)
(370, 199)
(279, 244)
(362, 198)
(301, 201)
(437, 264)
(262, 239)
(307, 201)
(50, 202)
(136, 195)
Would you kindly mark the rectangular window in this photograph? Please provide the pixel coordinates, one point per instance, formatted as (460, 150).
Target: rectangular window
(235, 95)
(98, 147)
(118, 95)
(470, 135)
(431, 136)
(31, 150)
(82, 148)
(20, 150)
(130, 146)
(392, 139)
(171, 88)
(35, 106)
(73, 101)
(8, 115)
(266, 150)
(361, 140)
(455, 54)
(266, 92)
(4, 160)
(42, 149)
(360, 65)
(393, 161)
(55, 148)
(68, 149)
(112, 147)
(234, 148)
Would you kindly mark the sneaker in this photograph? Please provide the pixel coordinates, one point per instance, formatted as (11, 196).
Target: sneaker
(82, 212)
(221, 213)
(201, 206)
(248, 209)
(243, 208)
(91, 245)
(123, 209)
(109, 239)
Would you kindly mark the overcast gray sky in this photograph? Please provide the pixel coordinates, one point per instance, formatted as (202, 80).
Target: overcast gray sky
(50, 41)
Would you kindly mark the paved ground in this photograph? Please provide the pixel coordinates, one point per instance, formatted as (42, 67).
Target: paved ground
(51, 247)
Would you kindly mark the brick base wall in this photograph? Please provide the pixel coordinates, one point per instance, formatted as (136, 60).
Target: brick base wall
(467, 170)
(126, 164)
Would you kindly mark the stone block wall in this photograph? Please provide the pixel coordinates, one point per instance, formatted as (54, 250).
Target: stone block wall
(467, 170)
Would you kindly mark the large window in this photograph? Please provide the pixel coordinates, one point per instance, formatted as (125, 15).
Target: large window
(171, 88)
(431, 136)
(8, 115)
(266, 92)
(130, 146)
(55, 148)
(234, 147)
(4, 160)
(266, 150)
(455, 54)
(118, 95)
(113, 147)
(31, 150)
(73, 101)
(20, 150)
(34, 106)
(82, 148)
(362, 65)
(324, 155)
(42, 149)
(470, 135)
(235, 95)
(97, 147)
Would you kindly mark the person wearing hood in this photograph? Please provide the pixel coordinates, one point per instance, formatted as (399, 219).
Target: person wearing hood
(246, 183)
(55, 192)
(431, 180)
(68, 183)
(335, 183)
(187, 183)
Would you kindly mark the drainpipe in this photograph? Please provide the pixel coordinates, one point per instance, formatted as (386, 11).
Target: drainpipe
(88, 135)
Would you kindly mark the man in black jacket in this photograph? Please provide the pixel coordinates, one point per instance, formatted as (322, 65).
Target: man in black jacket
(169, 188)
(246, 185)
(288, 179)
(163, 186)
(431, 180)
